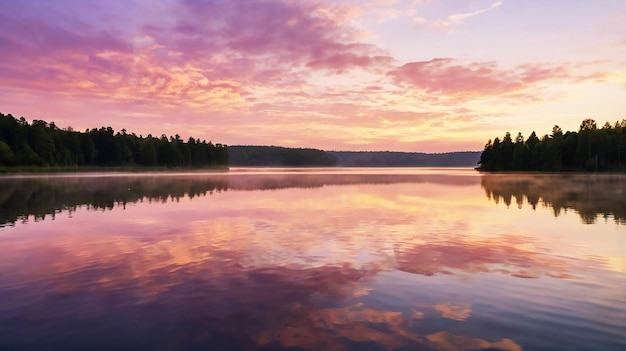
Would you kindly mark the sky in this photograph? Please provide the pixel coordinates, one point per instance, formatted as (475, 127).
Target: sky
(403, 75)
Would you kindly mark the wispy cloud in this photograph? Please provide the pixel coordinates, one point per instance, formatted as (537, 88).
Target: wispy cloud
(453, 20)
(459, 18)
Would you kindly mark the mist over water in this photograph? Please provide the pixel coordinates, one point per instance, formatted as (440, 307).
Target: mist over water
(315, 259)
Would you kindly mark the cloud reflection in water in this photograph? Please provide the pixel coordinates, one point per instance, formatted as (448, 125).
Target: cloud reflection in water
(308, 264)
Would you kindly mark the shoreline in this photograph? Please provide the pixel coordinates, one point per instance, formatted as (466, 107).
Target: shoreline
(101, 169)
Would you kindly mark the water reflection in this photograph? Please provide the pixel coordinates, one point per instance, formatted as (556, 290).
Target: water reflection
(504, 254)
(322, 261)
(214, 302)
(590, 195)
(39, 197)
(21, 197)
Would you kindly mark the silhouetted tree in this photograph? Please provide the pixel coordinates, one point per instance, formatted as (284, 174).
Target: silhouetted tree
(486, 156)
(521, 154)
(6, 154)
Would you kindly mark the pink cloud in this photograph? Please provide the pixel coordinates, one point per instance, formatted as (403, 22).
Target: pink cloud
(443, 75)
(451, 77)
(210, 54)
(294, 33)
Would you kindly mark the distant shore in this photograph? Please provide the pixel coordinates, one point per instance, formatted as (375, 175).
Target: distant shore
(101, 169)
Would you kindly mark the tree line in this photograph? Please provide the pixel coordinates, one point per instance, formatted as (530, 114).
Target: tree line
(279, 156)
(44, 144)
(589, 149)
(405, 159)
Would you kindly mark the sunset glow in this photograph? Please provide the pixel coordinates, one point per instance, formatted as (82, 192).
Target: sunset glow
(405, 75)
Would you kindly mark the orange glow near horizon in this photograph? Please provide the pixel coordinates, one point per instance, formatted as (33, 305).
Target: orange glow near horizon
(351, 75)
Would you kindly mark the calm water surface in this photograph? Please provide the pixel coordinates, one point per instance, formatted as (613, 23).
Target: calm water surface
(313, 259)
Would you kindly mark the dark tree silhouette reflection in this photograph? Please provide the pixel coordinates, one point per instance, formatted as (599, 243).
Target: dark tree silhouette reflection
(41, 197)
(591, 196)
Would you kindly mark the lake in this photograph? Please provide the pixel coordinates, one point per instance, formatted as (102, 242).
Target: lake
(313, 259)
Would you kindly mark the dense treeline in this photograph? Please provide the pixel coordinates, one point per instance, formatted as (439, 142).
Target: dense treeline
(405, 159)
(279, 156)
(45, 144)
(589, 149)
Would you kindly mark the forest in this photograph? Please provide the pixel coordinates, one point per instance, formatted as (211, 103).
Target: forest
(273, 156)
(405, 159)
(590, 149)
(43, 144)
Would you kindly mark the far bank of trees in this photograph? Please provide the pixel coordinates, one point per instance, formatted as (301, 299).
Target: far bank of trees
(405, 159)
(273, 156)
(44, 144)
(590, 149)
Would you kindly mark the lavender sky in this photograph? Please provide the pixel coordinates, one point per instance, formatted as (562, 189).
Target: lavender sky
(407, 75)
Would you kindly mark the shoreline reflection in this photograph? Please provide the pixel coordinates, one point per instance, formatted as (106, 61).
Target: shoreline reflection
(40, 197)
(589, 195)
